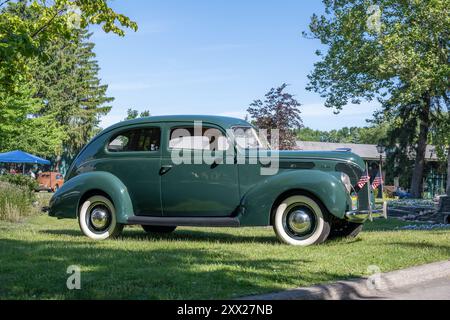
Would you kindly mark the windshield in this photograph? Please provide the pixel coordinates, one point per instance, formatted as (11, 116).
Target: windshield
(247, 138)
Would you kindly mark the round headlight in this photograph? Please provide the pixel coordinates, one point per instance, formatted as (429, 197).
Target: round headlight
(347, 182)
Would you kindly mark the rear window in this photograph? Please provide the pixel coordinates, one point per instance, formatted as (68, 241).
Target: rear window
(136, 140)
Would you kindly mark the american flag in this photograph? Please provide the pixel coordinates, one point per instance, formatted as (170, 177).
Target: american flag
(363, 180)
(378, 181)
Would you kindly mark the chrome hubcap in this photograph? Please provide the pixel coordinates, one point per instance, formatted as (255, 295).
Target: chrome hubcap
(299, 221)
(100, 218)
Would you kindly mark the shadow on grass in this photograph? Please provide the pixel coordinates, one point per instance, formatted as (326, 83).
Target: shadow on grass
(136, 233)
(179, 235)
(37, 270)
(344, 240)
(139, 270)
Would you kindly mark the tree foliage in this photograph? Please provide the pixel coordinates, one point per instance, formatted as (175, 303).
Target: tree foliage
(134, 114)
(68, 84)
(395, 51)
(279, 110)
(400, 64)
(21, 128)
(361, 135)
(46, 21)
(49, 90)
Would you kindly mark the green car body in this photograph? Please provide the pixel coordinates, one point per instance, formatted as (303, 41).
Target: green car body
(147, 188)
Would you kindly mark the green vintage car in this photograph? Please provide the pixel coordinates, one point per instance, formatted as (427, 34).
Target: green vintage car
(211, 171)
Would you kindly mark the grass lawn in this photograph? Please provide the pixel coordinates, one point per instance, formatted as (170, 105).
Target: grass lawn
(194, 263)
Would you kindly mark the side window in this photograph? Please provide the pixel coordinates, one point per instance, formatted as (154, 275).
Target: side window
(186, 138)
(136, 140)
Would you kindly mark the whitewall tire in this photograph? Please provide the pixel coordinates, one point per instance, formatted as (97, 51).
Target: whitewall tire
(300, 221)
(97, 218)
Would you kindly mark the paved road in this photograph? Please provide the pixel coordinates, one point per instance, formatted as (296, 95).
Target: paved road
(438, 289)
(427, 282)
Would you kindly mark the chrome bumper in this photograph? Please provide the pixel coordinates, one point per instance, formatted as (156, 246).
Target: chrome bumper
(364, 215)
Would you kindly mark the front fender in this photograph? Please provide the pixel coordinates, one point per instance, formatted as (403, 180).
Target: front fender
(259, 200)
(65, 203)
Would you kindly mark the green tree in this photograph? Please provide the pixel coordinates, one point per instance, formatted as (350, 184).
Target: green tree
(68, 83)
(373, 134)
(308, 134)
(396, 52)
(134, 114)
(280, 110)
(22, 39)
(21, 128)
(28, 28)
(361, 135)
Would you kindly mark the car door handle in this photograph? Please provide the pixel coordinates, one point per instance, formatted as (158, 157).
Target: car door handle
(164, 169)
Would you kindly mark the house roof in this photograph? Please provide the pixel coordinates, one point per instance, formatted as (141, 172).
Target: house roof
(365, 151)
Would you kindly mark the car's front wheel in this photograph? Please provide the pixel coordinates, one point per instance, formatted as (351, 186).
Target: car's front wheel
(299, 220)
(97, 219)
(158, 229)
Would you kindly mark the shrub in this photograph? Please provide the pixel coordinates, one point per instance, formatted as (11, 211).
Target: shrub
(15, 202)
(20, 180)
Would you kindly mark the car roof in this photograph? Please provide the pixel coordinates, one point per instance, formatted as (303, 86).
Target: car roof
(225, 122)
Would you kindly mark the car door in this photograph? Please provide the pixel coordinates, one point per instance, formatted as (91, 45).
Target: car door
(200, 187)
(133, 154)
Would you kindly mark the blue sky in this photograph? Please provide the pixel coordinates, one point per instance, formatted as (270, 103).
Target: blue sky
(214, 57)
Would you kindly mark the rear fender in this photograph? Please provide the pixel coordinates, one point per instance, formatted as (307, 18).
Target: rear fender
(65, 202)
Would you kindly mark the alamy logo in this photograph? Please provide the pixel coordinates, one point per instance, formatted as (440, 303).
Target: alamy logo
(239, 145)
(73, 16)
(374, 20)
(74, 280)
(374, 280)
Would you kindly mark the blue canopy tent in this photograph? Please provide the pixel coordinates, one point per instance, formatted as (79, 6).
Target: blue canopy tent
(21, 157)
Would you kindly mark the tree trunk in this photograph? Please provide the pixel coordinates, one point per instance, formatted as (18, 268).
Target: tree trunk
(419, 166)
(448, 172)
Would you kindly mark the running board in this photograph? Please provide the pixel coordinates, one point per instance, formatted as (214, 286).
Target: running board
(184, 221)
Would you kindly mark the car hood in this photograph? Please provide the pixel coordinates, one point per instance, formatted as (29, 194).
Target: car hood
(320, 155)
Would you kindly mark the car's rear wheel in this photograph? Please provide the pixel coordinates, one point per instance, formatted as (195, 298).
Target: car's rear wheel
(97, 219)
(345, 229)
(158, 229)
(300, 220)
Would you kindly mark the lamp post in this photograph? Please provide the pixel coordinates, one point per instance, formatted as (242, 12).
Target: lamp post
(381, 150)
